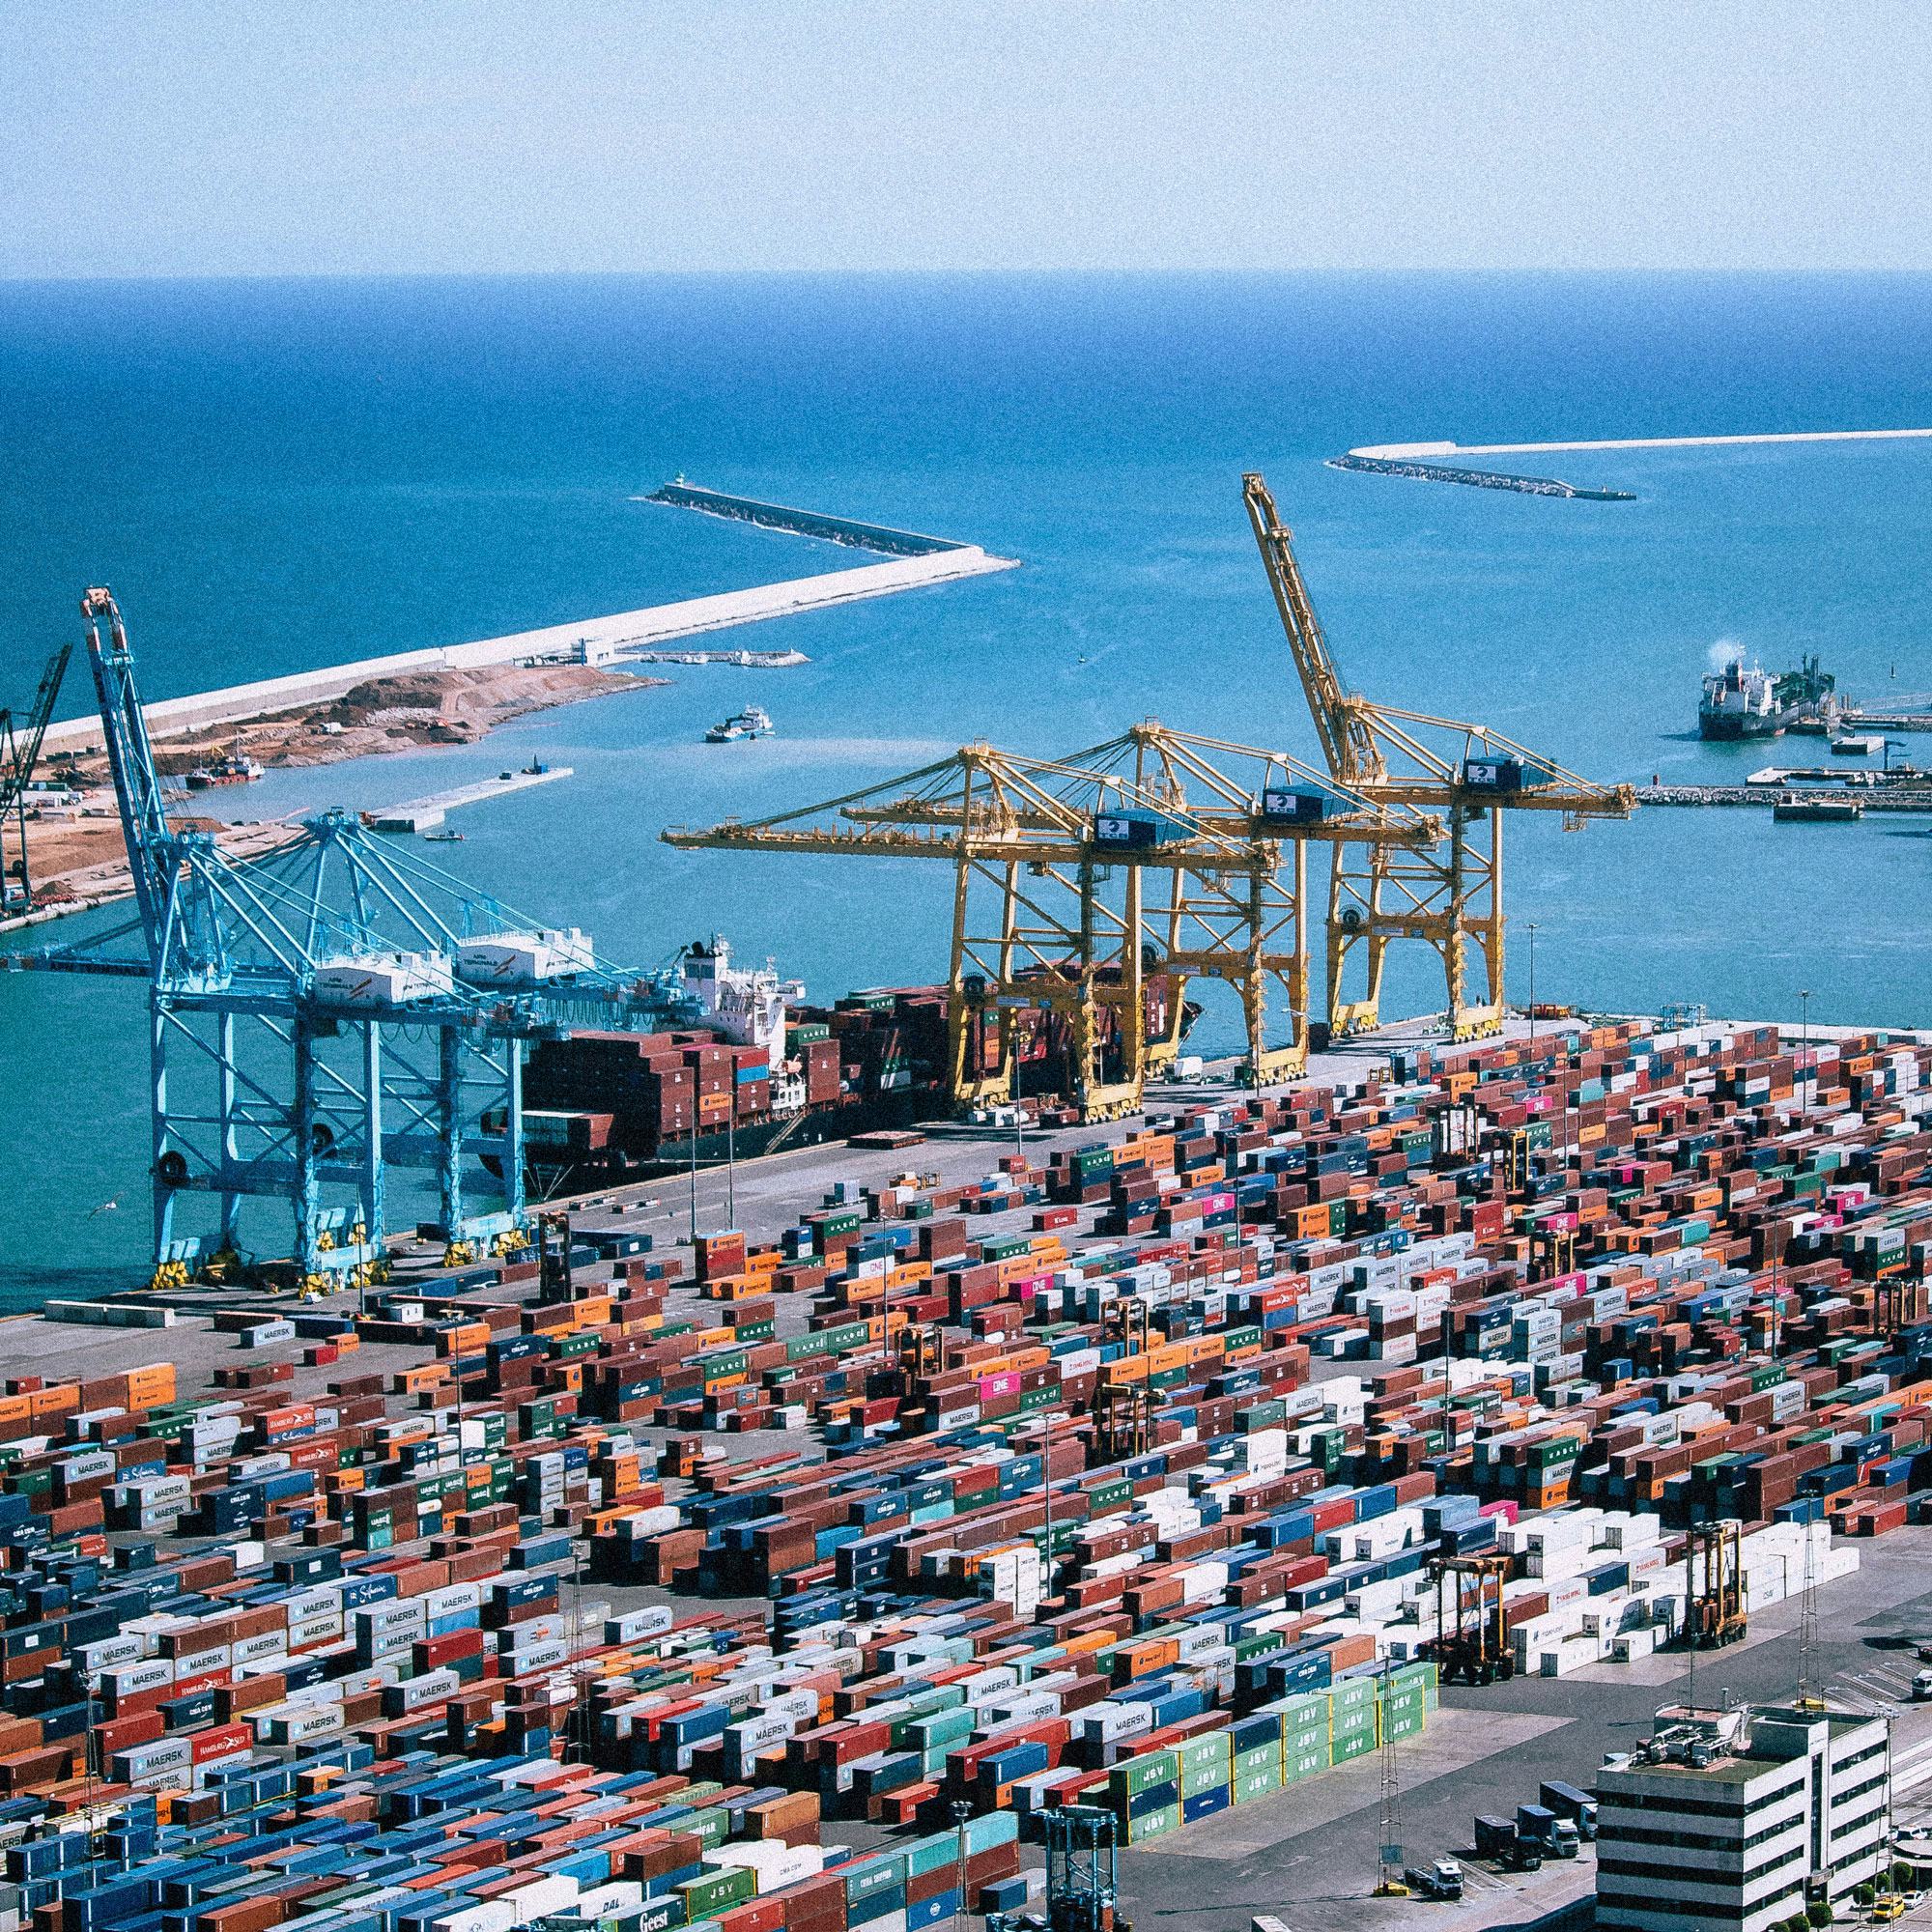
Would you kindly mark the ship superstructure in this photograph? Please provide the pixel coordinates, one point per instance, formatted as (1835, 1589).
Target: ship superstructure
(1746, 701)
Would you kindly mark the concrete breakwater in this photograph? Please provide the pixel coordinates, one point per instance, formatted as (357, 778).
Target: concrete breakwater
(600, 640)
(1402, 452)
(1422, 459)
(1482, 479)
(1764, 796)
(849, 531)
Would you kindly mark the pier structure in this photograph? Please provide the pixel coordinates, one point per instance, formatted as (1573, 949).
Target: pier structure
(911, 563)
(1425, 460)
(425, 814)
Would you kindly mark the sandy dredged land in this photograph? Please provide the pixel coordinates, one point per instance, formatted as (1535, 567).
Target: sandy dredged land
(446, 695)
(409, 711)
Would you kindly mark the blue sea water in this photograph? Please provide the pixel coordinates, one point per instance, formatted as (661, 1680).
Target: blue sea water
(273, 475)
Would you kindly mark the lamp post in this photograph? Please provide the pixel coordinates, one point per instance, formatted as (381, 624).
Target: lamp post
(1804, 1030)
(1531, 929)
(693, 1172)
(961, 1812)
(1019, 1061)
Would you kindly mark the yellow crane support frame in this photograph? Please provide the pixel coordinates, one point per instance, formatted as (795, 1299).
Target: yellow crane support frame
(1080, 919)
(1453, 900)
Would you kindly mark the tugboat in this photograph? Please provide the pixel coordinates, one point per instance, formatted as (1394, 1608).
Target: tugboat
(753, 721)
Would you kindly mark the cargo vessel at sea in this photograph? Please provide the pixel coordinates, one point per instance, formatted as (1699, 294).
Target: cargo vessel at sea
(743, 1066)
(1745, 701)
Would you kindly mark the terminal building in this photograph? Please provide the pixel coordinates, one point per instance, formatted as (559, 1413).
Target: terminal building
(1739, 1819)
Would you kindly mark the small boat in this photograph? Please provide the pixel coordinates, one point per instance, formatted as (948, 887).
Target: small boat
(753, 721)
(443, 837)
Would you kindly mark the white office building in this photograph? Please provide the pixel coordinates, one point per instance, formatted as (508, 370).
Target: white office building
(1736, 1820)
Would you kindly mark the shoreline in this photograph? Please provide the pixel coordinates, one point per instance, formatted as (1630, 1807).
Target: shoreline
(80, 861)
(596, 643)
(456, 695)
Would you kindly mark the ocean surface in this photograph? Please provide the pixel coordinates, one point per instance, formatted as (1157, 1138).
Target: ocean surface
(274, 475)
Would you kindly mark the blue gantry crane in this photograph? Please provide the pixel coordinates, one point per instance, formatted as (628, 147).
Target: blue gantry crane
(325, 1013)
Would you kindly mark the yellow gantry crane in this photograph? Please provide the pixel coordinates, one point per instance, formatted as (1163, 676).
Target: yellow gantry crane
(1095, 886)
(1449, 898)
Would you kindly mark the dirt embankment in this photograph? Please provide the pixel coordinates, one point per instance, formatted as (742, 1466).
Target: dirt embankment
(387, 714)
(399, 714)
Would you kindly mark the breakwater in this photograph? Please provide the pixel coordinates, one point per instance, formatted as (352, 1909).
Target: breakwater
(599, 640)
(847, 530)
(1482, 479)
(1406, 451)
(1897, 798)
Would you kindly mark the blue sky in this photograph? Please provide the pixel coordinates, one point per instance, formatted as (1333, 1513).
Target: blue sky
(290, 137)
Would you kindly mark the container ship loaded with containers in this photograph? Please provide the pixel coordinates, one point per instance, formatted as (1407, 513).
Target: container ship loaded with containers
(745, 1067)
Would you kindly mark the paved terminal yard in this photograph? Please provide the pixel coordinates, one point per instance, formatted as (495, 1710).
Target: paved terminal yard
(1310, 1856)
(1695, 1308)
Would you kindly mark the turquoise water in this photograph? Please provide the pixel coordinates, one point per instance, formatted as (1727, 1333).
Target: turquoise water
(274, 475)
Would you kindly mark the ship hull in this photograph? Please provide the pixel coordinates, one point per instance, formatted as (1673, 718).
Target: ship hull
(1724, 729)
(553, 1172)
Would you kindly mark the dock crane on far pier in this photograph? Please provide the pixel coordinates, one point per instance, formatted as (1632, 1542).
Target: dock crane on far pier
(20, 754)
(1080, 881)
(1381, 892)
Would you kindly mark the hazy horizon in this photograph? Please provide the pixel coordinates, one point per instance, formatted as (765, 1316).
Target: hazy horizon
(219, 139)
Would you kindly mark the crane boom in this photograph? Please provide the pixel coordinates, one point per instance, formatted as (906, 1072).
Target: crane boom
(138, 785)
(22, 754)
(1378, 894)
(26, 753)
(1348, 742)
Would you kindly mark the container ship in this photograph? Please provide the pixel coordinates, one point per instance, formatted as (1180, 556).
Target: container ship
(1743, 702)
(745, 1067)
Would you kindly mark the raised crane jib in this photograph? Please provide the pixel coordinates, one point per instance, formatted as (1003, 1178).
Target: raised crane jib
(1348, 741)
(27, 752)
(131, 759)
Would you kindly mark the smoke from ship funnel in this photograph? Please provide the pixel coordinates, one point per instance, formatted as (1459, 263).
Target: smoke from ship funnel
(1724, 653)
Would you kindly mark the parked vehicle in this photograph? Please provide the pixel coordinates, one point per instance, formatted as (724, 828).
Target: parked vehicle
(1499, 1840)
(1556, 1837)
(1441, 1880)
(1568, 1801)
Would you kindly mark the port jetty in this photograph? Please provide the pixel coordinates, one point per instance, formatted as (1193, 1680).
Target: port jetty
(912, 562)
(1426, 460)
(1482, 479)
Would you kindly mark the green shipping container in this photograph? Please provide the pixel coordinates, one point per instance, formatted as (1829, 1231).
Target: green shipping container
(1140, 1774)
(717, 1890)
(1256, 1783)
(1153, 1824)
